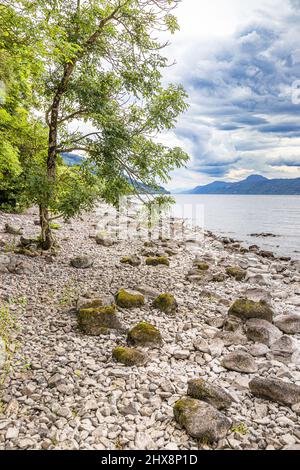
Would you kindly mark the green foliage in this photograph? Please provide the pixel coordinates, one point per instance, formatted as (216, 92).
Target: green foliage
(8, 325)
(95, 63)
(240, 428)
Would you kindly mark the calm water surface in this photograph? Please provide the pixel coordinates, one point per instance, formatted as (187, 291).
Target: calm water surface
(240, 216)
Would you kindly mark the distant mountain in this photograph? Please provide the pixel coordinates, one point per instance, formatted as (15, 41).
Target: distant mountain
(72, 159)
(254, 184)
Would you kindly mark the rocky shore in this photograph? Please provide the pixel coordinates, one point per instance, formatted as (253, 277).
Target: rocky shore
(137, 344)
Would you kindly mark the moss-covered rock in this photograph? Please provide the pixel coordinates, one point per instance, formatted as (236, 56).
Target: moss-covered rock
(236, 272)
(201, 420)
(96, 321)
(156, 261)
(149, 244)
(202, 266)
(103, 239)
(90, 300)
(129, 356)
(246, 309)
(210, 393)
(166, 303)
(129, 299)
(132, 260)
(144, 334)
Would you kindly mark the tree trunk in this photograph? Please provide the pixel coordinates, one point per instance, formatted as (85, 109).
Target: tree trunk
(47, 239)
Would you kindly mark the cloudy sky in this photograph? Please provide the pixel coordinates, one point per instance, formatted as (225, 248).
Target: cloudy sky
(239, 61)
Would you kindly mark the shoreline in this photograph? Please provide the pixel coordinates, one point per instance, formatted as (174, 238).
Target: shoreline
(69, 393)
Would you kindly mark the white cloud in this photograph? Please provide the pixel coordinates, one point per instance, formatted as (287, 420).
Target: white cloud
(239, 60)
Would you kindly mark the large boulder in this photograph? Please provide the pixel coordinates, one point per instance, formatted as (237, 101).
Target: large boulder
(129, 356)
(13, 264)
(262, 331)
(82, 262)
(210, 393)
(240, 361)
(104, 240)
(236, 272)
(96, 321)
(92, 300)
(284, 348)
(289, 324)
(132, 260)
(285, 393)
(201, 420)
(247, 309)
(12, 230)
(166, 303)
(144, 334)
(157, 260)
(129, 299)
(232, 338)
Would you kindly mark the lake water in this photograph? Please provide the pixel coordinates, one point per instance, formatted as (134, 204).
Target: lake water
(240, 216)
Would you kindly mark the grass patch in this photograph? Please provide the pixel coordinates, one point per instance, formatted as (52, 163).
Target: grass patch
(240, 428)
(8, 326)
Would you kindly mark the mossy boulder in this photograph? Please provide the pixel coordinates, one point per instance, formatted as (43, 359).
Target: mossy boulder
(96, 321)
(132, 260)
(236, 272)
(210, 393)
(201, 420)
(246, 309)
(144, 334)
(129, 299)
(158, 260)
(103, 239)
(129, 356)
(201, 266)
(91, 301)
(166, 303)
(149, 244)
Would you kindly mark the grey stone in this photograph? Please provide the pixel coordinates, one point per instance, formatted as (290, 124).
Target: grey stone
(201, 420)
(82, 262)
(246, 309)
(283, 347)
(210, 393)
(262, 331)
(130, 409)
(104, 240)
(289, 324)
(282, 392)
(258, 350)
(240, 361)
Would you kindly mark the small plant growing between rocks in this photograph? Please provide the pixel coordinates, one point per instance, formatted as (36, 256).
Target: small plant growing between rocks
(10, 247)
(55, 226)
(68, 295)
(8, 325)
(240, 428)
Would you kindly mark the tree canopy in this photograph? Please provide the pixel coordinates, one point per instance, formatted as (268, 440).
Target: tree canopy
(85, 76)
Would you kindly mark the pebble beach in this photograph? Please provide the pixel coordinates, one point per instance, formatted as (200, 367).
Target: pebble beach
(232, 330)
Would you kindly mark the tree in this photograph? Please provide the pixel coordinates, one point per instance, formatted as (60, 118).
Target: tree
(22, 136)
(100, 65)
